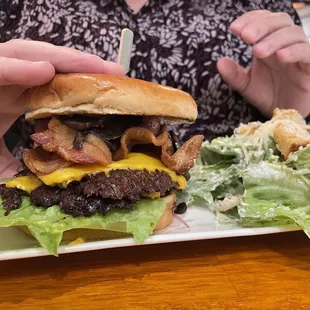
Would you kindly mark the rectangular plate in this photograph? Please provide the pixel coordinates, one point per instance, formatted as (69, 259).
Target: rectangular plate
(14, 244)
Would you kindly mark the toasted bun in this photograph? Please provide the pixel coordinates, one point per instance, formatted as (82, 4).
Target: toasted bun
(106, 94)
(99, 234)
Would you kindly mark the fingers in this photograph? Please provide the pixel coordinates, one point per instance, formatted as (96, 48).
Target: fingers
(22, 72)
(240, 23)
(295, 53)
(273, 33)
(233, 74)
(278, 40)
(63, 59)
(260, 25)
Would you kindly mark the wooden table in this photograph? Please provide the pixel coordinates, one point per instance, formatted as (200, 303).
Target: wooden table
(265, 272)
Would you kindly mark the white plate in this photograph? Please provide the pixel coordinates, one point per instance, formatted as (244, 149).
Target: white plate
(15, 244)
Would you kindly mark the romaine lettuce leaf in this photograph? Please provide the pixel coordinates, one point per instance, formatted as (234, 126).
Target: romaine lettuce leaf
(48, 225)
(212, 182)
(226, 150)
(275, 184)
(217, 172)
(237, 150)
(275, 193)
(300, 160)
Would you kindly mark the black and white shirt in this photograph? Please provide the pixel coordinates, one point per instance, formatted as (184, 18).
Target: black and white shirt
(176, 43)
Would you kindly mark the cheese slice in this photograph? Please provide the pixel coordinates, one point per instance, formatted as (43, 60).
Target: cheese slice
(134, 161)
(26, 183)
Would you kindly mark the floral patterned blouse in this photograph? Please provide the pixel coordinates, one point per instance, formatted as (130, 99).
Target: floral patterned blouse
(176, 43)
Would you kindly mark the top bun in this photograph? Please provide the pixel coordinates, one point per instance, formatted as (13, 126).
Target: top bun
(107, 94)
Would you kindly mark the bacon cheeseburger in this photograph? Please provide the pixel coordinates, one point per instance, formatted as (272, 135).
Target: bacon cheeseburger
(102, 159)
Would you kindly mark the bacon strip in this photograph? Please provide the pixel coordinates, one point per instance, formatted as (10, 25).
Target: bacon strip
(59, 138)
(139, 135)
(183, 159)
(41, 162)
(180, 161)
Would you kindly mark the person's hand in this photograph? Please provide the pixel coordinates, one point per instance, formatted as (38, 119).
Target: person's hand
(31, 63)
(280, 72)
(24, 64)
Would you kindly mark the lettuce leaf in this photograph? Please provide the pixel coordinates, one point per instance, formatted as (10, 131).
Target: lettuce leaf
(209, 183)
(276, 184)
(48, 225)
(238, 150)
(275, 194)
(226, 150)
(300, 160)
(272, 191)
(218, 169)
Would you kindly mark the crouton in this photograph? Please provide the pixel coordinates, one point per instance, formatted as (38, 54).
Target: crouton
(290, 136)
(247, 129)
(292, 115)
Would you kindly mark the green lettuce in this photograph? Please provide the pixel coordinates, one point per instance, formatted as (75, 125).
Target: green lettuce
(209, 183)
(237, 150)
(275, 184)
(48, 225)
(221, 150)
(275, 194)
(300, 160)
(265, 190)
(217, 173)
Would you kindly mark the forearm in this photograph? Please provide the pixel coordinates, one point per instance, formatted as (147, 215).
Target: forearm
(9, 165)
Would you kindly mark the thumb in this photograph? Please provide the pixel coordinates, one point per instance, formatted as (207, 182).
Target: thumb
(234, 75)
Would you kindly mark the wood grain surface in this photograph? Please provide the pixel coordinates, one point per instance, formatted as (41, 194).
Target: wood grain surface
(264, 272)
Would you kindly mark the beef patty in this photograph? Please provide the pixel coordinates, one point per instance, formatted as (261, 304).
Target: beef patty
(98, 193)
(12, 198)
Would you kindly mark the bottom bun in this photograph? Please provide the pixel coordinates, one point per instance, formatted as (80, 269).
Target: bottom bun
(99, 234)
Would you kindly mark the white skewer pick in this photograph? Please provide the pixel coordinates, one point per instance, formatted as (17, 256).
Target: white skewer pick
(125, 46)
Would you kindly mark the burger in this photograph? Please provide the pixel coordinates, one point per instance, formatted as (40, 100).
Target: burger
(103, 162)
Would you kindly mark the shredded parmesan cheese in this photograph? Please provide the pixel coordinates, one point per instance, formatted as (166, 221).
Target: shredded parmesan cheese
(227, 204)
(290, 120)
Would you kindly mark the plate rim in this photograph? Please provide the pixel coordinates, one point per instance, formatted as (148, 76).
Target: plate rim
(32, 252)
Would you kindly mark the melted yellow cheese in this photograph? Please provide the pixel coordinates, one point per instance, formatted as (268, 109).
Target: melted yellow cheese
(134, 161)
(26, 184)
(154, 195)
(77, 241)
